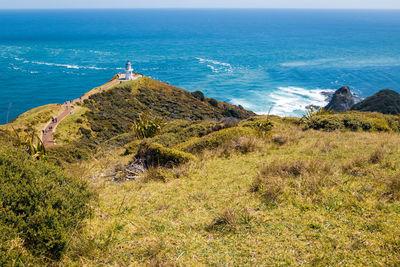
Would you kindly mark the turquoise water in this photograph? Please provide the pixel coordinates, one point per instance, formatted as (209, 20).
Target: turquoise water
(262, 59)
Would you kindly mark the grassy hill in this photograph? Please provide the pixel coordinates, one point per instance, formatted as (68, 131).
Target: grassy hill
(285, 196)
(202, 189)
(385, 101)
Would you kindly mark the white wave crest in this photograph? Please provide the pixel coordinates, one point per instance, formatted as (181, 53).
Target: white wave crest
(216, 66)
(68, 66)
(289, 101)
(242, 102)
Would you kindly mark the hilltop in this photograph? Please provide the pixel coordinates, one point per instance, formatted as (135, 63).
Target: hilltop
(145, 173)
(385, 101)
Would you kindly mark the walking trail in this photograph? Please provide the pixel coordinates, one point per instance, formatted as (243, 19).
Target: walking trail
(68, 108)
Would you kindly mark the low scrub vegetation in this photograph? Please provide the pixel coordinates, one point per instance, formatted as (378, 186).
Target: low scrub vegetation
(215, 139)
(145, 127)
(354, 121)
(205, 188)
(155, 155)
(40, 208)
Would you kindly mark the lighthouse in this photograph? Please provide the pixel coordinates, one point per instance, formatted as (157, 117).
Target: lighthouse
(128, 71)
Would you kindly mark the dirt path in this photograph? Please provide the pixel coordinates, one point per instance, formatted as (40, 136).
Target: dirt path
(68, 108)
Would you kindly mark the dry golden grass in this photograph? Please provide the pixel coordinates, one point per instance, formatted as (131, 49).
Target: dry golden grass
(320, 198)
(68, 129)
(36, 118)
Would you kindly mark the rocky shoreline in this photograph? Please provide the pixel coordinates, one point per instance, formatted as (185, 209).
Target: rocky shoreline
(385, 101)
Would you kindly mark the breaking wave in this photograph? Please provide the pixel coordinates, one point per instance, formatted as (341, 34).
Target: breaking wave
(290, 101)
(66, 65)
(216, 66)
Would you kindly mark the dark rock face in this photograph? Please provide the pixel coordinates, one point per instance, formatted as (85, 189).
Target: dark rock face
(385, 101)
(342, 100)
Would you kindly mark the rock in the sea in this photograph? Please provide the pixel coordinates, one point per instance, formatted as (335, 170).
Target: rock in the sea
(342, 100)
(385, 101)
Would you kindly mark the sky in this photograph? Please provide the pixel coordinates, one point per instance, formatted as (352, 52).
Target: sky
(351, 4)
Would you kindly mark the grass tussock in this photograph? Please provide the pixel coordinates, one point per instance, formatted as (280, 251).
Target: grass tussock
(153, 174)
(229, 220)
(393, 187)
(304, 178)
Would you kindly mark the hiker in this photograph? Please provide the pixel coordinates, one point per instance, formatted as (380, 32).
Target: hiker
(46, 131)
(42, 131)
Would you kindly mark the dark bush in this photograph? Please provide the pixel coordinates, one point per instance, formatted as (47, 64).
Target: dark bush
(213, 102)
(199, 95)
(327, 123)
(231, 113)
(40, 204)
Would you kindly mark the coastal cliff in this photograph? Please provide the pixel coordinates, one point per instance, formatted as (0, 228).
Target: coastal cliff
(342, 100)
(385, 101)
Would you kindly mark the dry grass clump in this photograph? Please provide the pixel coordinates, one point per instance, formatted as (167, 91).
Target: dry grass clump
(359, 166)
(153, 174)
(286, 134)
(377, 156)
(393, 187)
(242, 145)
(229, 220)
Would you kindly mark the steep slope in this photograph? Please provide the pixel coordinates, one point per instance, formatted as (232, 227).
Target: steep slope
(385, 101)
(113, 112)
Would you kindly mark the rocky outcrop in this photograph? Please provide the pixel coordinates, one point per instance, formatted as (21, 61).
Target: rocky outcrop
(342, 100)
(385, 101)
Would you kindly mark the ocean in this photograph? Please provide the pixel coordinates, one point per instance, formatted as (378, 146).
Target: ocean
(265, 60)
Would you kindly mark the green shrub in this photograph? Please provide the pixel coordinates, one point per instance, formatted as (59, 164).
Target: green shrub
(155, 155)
(215, 139)
(327, 123)
(365, 121)
(39, 204)
(262, 126)
(132, 147)
(380, 125)
(180, 131)
(213, 102)
(144, 127)
(229, 112)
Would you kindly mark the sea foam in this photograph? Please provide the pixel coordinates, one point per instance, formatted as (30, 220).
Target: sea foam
(290, 101)
(216, 66)
(68, 66)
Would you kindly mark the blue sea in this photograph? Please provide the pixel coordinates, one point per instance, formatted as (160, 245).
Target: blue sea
(266, 59)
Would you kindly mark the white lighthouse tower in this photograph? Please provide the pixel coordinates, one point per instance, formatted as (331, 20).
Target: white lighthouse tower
(128, 71)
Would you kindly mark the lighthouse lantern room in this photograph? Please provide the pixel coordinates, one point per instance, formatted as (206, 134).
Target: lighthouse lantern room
(128, 71)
